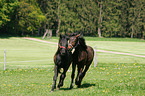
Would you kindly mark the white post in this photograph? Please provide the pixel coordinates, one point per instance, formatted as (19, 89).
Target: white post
(5, 59)
(95, 57)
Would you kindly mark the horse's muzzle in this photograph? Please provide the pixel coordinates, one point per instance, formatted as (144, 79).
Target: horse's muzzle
(69, 48)
(62, 52)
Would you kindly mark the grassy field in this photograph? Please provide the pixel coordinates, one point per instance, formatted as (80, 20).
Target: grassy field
(30, 69)
(23, 53)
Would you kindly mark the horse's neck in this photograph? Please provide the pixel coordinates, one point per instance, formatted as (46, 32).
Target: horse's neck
(80, 47)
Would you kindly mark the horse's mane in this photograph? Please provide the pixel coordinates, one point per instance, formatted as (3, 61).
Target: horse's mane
(82, 42)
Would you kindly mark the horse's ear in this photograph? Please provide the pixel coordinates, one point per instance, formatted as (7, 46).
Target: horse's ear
(68, 34)
(60, 36)
(67, 38)
(78, 35)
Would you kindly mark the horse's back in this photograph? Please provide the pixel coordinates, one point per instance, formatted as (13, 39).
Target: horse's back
(83, 57)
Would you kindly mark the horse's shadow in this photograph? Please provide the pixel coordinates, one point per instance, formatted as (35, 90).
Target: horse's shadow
(85, 85)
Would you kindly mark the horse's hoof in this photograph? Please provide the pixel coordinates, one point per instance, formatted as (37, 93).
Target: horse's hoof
(76, 83)
(60, 85)
(79, 86)
(52, 90)
(71, 87)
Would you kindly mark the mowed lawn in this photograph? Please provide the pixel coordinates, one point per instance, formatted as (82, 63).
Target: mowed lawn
(30, 69)
(21, 53)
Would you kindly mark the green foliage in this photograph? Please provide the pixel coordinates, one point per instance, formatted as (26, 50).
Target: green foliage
(88, 14)
(30, 17)
(49, 8)
(136, 15)
(6, 9)
(69, 19)
(109, 18)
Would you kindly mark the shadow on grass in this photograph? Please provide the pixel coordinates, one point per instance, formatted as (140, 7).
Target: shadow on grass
(85, 85)
(6, 36)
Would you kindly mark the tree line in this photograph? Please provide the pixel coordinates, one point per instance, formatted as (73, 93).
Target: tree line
(102, 18)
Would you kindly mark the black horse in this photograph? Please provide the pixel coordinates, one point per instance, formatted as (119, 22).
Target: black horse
(82, 57)
(62, 59)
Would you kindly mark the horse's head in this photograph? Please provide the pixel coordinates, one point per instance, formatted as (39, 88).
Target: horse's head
(63, 44)
(73, 41)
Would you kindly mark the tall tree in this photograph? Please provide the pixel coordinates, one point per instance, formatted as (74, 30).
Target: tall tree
(111, 18)
(136, 18)
(7, 9)
(100, 18)
(50, 10)
(88, 13)
(68, 16)
(30, 18)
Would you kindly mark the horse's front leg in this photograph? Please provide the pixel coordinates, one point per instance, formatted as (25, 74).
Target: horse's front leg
(62, 77)
(72, 75)
(55, 78)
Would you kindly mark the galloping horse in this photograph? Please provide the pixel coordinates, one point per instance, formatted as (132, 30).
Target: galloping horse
(82, 57)
(62, 59)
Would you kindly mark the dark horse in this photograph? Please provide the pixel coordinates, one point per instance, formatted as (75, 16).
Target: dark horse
(62, 59)
(82, 57)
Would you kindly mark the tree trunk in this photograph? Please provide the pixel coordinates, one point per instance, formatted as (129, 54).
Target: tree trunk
(38, 32)
(132, 32)
(100, 21)
(99, 31)
(45, 34)
(143, 33)
(58, 28)
(58, 19)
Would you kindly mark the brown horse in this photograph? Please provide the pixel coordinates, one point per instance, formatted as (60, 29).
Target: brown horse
(82, 57)
(62, 59)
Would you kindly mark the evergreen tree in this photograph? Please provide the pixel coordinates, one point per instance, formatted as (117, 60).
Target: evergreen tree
(107, 18)
(136, 18)
(111, 18)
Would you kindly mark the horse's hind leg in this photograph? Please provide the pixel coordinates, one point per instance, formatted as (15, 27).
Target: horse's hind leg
(80, 68)
(54, 78)
(72, 75)
(82, 75)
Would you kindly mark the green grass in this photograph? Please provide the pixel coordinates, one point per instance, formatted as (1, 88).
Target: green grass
(114, 39)
(125, 45)
(23, 53)
(30, 69)
(112, 79)
(118, 46)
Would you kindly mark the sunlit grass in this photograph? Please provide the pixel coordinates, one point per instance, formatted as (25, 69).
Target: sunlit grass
(21, 53)
(115, 74)
(105, 79)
